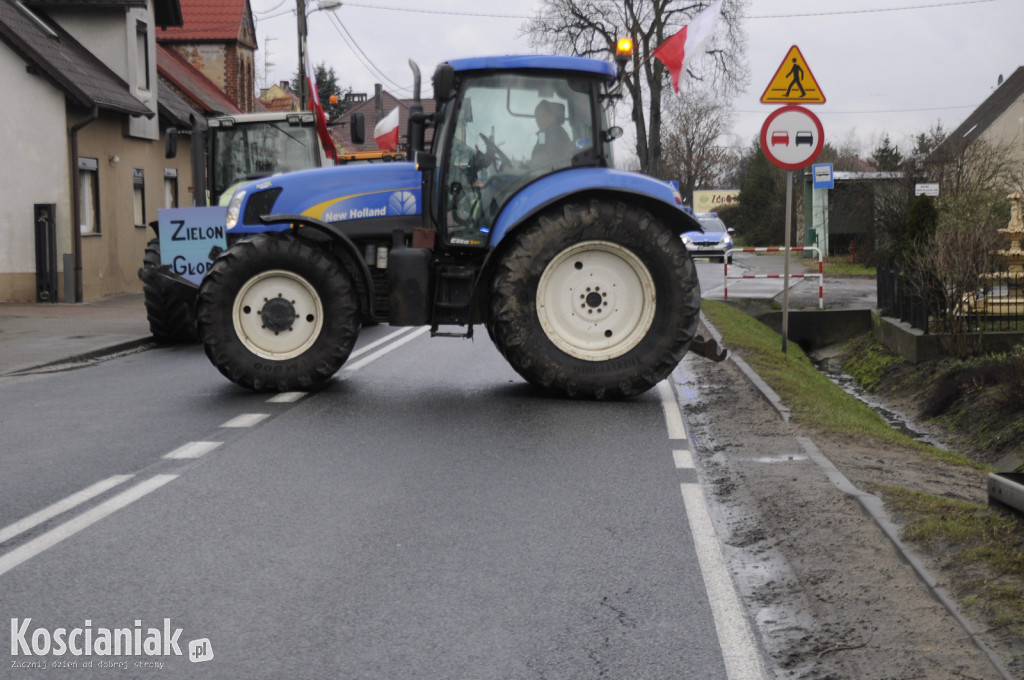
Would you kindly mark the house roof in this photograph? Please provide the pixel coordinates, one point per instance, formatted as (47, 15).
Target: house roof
(1004, 96)
(342, 134)
(166, 12)
(64, 61)
(173, 108)
(196, 87)
(208, 20)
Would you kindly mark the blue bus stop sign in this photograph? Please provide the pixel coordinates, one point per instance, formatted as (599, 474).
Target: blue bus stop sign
(822, 176)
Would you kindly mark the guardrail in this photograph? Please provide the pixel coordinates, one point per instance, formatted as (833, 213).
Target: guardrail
(778, 249)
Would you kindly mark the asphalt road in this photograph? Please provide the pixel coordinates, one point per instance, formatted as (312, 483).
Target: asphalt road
(427, 515)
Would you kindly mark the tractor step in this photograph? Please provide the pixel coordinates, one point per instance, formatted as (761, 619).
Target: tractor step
(435, 333)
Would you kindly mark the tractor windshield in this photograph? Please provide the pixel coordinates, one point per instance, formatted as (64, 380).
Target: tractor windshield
(247, 151)
(509, 129)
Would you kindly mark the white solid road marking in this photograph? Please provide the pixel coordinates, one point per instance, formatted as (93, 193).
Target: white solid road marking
(87, 518)
(379, 353)
(734, 637)
(192, 450)
(673, 418)
(47, 513)
(739, 651)
(246, 420)
(377, 343)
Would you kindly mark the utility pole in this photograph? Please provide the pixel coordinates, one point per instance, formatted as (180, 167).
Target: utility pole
(300, 21)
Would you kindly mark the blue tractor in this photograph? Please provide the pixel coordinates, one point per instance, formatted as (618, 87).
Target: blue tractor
(513, 217)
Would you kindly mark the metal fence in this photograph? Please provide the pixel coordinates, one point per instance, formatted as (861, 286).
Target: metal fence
(998, 305)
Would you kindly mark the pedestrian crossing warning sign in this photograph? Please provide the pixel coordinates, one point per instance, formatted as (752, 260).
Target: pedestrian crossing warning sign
(793, 83)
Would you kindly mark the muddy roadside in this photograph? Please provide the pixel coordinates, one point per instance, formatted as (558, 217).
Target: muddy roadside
(829, 594)
(828, 591)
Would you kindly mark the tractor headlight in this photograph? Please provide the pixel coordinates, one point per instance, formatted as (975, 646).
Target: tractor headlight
(234, 208)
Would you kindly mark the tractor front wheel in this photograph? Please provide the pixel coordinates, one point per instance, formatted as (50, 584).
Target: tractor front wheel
(595, 300)
(276, 313)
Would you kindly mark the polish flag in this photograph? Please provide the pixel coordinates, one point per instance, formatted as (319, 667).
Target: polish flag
(688, 42)
(330, 150)
(386, 131)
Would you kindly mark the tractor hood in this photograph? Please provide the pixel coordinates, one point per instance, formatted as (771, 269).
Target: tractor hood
(334, 194)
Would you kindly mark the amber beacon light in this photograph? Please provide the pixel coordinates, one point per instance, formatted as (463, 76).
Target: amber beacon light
(623, 50)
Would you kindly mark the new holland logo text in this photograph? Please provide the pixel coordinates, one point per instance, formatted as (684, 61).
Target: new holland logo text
(89, 641)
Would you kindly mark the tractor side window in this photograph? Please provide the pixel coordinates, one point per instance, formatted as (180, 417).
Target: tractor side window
(509, 129)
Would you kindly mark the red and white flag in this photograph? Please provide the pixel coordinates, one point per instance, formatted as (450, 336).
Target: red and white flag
(688, 42)
(326, 140)
(385, 132)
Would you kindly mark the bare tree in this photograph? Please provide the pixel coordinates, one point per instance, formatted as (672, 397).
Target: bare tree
(951, 270)
(692, 149)
(965, 169)
(592, 28)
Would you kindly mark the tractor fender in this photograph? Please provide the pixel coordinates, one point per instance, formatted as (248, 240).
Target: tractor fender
(578, 184)
(335, 234)
(655, 195)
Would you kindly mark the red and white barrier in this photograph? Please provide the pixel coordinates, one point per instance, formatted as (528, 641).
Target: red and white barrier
(778, 249)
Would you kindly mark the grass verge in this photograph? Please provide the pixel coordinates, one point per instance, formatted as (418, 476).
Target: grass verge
(982, 548)
(813, 399)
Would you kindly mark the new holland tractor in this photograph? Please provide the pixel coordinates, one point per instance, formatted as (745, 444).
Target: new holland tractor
(514, 218)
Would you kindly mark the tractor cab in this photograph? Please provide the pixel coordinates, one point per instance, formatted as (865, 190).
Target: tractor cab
(505, 122)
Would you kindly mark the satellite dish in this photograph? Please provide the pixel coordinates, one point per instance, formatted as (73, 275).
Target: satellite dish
(1000, 80)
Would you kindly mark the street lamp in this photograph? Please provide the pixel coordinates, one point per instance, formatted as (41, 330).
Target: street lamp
(300, 14)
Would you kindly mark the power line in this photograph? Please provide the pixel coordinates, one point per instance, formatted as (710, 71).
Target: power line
(931, 108)
(934, 5)
(871, 11)
(437, 11)
(349, 40)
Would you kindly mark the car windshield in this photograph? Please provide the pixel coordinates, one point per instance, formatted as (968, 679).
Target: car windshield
(252, 150)
(712, 224)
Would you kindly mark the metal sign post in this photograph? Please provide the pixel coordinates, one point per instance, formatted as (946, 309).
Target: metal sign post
(785, 287)
(791, 138)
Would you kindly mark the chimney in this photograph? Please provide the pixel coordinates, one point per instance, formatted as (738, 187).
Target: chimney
(286, 86)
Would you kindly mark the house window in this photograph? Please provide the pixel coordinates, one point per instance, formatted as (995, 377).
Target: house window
(89, 195)
(142, 55)
(139, 196)
(170, 187)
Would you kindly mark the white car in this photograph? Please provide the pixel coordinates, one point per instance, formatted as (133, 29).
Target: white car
(712, 241)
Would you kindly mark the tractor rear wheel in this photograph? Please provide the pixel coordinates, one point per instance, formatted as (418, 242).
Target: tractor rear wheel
(277, 313)
(171, 318)
(595, 300)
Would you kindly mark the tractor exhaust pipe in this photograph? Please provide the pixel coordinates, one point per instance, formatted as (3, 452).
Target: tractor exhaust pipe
(417, 127)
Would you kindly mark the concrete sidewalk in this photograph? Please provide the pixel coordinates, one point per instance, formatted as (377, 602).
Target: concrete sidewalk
(37, 334)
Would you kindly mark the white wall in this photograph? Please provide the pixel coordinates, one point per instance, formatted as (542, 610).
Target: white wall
(33, 165)
(110, 35)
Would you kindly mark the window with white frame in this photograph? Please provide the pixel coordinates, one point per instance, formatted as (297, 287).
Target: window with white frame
(170, 187)
(88, 195)
(142, 55)
(139, 196)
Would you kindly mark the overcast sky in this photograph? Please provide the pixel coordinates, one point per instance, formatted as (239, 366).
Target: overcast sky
(884, 66)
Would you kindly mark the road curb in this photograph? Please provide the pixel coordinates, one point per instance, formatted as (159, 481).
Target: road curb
(82, 357)
(872, 504)
(875, 508)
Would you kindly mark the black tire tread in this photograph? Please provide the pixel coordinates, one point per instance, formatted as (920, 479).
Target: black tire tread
(238, 264)
(171, 319)
(517, 334)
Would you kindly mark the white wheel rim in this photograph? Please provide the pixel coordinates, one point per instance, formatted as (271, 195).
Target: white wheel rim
(277, 295)
(596, 300)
